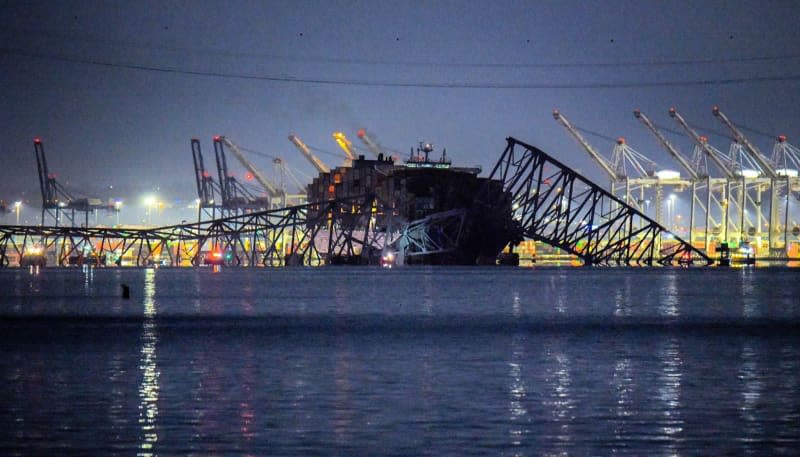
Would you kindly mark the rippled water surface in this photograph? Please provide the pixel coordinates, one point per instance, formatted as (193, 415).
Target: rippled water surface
(432, 361)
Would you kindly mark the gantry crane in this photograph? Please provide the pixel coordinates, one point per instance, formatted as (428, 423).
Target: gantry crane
(208, 191)
(56, 199)
(687, 166)
(786, 157)
(777, 184)
(235, 197)
(617, 169)
(734, 189)
(273, 191)
(694, 174)
(602, 161)
(346, 146)
(315, 161)
(756, 155)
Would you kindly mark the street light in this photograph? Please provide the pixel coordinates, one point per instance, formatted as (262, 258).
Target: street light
(671, 211)
(150, 202)
(17, 206)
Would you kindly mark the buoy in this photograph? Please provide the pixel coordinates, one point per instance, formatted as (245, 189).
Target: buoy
(126, 291)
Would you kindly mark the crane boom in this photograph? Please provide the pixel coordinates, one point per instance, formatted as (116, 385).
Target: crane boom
(345, 144)
(729, 173)
(667, 145)
(754, 152)
(205, 183)
(604, 164)
(315, 161)
(371, 144)
(271, 189)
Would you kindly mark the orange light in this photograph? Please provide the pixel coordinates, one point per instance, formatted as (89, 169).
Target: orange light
(331, 189)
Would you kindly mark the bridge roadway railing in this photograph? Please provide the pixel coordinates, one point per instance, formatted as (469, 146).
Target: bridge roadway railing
(554, 204)
(347, 230)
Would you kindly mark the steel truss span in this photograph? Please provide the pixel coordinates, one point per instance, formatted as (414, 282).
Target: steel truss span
(556, 205)
(343, 230)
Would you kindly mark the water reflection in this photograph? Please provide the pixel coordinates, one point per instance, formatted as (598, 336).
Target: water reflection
(622, 299)
(749, 299)
(558, 288)
(343, 396)
(516, 308)
(149, 388)
(624, 386)
(669, 393)
(518, 413)
(752, 388)
(247, 409)
(558, 401)
(668, 305)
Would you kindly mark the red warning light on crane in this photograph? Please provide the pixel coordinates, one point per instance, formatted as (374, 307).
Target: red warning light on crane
(248, 176)
(37, 140)
(217, 137)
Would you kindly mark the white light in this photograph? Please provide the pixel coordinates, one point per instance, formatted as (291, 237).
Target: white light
(668, 174)
(790, 172)
(17, 204)
(749, 173)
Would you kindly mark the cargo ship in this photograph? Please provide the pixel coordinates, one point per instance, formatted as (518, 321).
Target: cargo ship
(420, 189)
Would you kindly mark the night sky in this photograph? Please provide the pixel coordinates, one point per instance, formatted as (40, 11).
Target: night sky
(116, 90)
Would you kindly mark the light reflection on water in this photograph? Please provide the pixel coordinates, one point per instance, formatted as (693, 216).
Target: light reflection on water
(149, 389)
(438, 362)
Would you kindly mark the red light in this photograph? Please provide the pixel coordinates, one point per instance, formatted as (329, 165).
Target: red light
(37, 140)
(206, 174)
(621, 140)
(361, 133)
(248, 176)
(704, 139)
(216, 138)
(782, 138)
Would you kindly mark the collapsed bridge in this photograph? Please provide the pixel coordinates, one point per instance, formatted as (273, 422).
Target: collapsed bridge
(546, 200)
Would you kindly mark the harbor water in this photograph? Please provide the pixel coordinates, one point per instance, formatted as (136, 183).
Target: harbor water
(405, 361)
